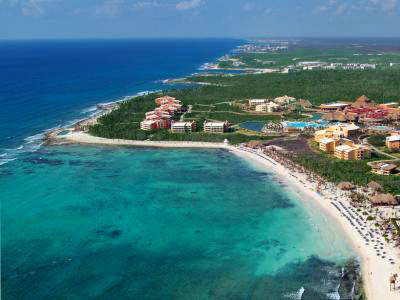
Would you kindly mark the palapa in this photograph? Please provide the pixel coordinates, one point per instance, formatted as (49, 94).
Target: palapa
(334, 116)
(384, 199)
(374, 185)
(345, 186)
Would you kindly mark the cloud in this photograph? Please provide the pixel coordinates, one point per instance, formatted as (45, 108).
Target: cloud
(35, 7)
(386, 5)
(9, 2)
(186, 5)
(338, 7)
(146, 4)
(334, 7)
(109, 8)
(248, 6)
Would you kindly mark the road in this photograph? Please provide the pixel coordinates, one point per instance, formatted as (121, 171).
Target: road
(364, 140)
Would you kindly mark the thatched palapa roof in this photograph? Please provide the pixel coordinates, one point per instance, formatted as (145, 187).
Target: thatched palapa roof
(363, 102)
(384, 199)
(374, 185)
(304, 103)
(345, 186)
(334, 116)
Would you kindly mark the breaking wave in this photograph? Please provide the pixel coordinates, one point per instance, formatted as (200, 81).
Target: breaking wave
(34, 142)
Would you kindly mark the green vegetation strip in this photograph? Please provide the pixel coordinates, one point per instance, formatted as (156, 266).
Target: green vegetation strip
(291, 57)
(316, 86)
(356, 171)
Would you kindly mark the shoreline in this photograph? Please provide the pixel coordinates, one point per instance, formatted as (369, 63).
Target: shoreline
(375, 270)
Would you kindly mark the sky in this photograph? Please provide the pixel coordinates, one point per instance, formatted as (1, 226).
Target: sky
(32, 19)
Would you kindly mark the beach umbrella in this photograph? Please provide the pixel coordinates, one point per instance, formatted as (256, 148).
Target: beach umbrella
(384, 199)
(374, 185)
(345, 186)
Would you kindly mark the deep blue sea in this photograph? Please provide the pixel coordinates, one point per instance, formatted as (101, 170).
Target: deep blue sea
(134, 223)
(49, 83)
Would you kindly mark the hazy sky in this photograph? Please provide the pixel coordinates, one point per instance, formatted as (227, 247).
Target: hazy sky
(166, 18)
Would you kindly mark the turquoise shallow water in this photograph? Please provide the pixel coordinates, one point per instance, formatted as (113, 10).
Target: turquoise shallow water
(124, 223)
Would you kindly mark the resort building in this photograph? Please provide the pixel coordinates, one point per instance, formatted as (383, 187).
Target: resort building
(254, 102)
(351, 151)
(148, 125)
(216, 127)
(344, 149)
(327, 144)
(177, 127)
(167, 100)
(393, 141)
(155, 122)
(284, 100)
(388, 105)
(384, 168)
(161, 116)
(337, 131)
(268, 107)
(333, 106)
(310, 65)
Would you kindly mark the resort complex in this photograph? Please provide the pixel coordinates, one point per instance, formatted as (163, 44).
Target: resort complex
(343, 154)
(363, 110)
(149, 151)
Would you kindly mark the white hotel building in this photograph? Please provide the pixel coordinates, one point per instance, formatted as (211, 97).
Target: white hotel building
(254, 102)
(216, 127)
(177, 127)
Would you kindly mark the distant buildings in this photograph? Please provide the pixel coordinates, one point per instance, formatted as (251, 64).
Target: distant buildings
(216, 127)
(288, 69)
(238, 63)
(393, 141)
(355, 66)
(177, 127)
(310, 65)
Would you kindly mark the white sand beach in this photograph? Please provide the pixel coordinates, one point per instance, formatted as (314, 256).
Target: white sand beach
(376, 269)
(84, 138)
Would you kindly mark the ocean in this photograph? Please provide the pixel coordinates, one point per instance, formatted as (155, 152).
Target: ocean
(136, 223)
(50, 83)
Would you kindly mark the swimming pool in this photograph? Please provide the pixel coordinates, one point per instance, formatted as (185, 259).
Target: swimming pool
(254, 126)
(302, 125)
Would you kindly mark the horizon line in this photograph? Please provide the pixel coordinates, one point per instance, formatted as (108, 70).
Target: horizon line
(197, 37)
